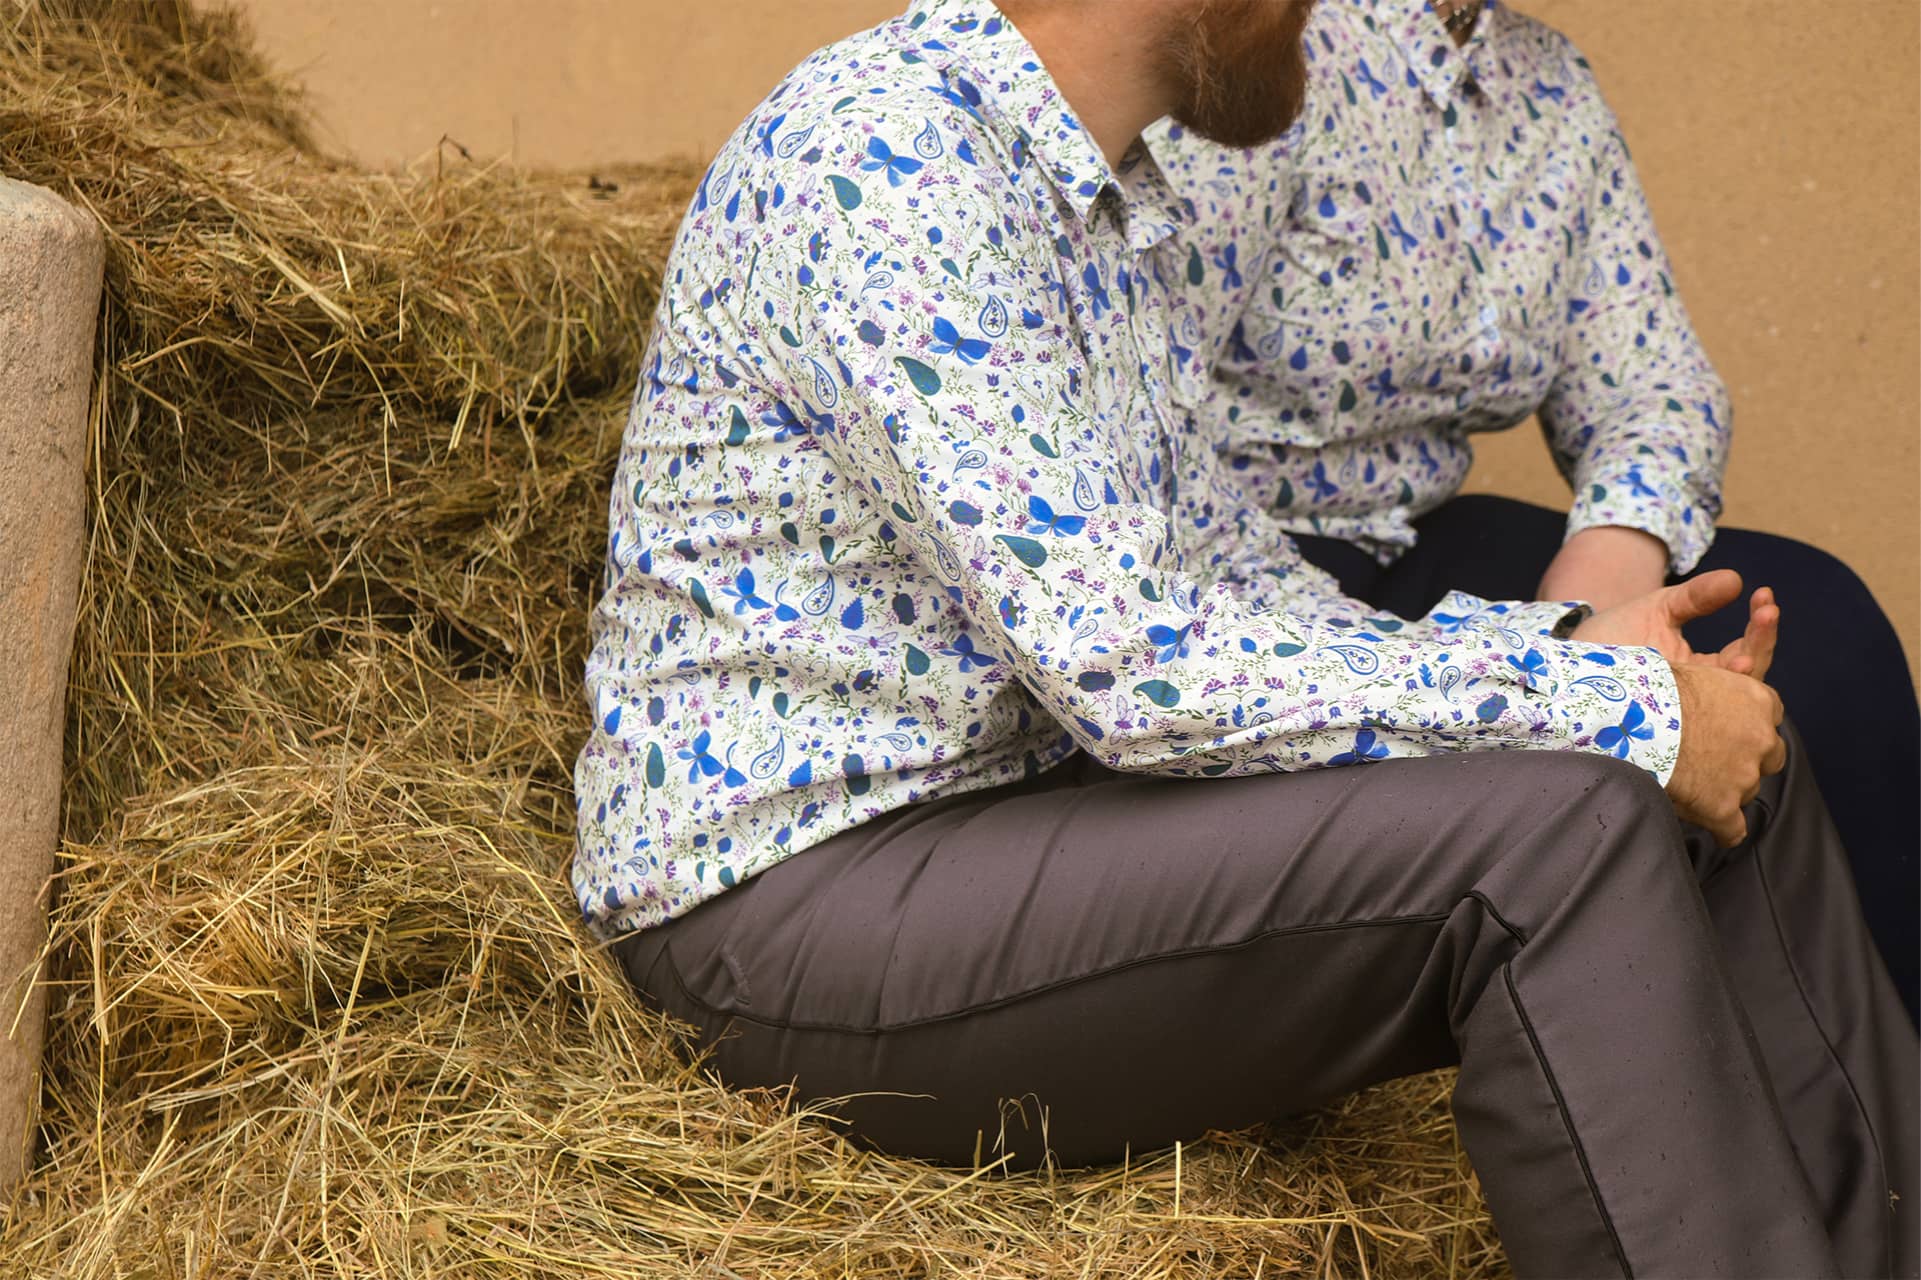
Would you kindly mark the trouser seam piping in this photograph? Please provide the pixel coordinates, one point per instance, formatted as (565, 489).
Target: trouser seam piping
(1567, 1119)
(1800, 988)
(1514, 931)
(1185, 953)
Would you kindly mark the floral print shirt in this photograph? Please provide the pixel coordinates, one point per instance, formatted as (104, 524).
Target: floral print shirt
(911, 499)
(1464, 243)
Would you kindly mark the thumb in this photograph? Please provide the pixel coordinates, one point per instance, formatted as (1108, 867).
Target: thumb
(1700, 596)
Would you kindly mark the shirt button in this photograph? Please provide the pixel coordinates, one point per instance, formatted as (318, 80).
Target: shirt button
(1489, 316)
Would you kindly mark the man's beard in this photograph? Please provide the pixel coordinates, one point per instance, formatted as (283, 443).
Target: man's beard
(1238, 69)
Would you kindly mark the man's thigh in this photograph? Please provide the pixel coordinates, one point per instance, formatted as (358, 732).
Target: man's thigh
(1147, 958)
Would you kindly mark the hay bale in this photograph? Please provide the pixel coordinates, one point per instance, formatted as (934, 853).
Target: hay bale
(319, 1001)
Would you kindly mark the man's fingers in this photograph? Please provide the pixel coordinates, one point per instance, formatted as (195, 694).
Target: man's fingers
(1700, 596)
(1763, 630)
(1753, 653)
(1776, 758)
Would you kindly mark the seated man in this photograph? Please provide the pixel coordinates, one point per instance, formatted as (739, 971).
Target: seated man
(937, 760)
(1464, 243)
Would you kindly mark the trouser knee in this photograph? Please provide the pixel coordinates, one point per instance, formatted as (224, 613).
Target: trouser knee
(1612, 791)
(1600, 839)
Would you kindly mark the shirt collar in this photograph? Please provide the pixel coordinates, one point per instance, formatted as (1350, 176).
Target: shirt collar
(1437, 63)
(1154, 210)
(972, 38)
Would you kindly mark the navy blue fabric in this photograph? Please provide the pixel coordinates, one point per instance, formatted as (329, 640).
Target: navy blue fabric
(1838, 656)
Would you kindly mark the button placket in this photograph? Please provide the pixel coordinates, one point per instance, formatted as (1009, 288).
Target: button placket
(1147, 329)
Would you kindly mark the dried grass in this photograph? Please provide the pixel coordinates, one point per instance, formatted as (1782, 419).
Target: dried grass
(319, 1002)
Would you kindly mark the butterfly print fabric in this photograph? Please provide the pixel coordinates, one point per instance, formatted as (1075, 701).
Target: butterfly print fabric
(915, 499)
(1464, 243)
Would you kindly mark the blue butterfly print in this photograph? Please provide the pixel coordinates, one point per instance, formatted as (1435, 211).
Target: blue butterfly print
(969, 657)
(705, 763)
(1494, 234)
(961, 93)
(1616, 739)
(1168, 643)
(741, 589)
(1237, 344)
(1103, 302)
(786, 425)
(1401, 233)
(1227, 261)
(782, 610)
(1367, 78)
(1532, 668)
(1638, 485)
(1319, 484)
(882, 157)
(1365, 748)
(1554, 91)
(1051, 284)
(767, 132)
(948, 342)
(1043, 520)
(1382, 385)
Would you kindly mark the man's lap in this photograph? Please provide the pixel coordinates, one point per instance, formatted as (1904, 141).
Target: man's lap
(1839, 668)
(1114, 943)
(1137, 867)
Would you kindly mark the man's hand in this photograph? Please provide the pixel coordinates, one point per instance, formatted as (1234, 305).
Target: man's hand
(1729, 718)
(1606, 566)
(1730, 740)
(1655, 620)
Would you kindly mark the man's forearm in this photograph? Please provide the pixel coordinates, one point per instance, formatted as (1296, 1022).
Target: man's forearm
(1605, 566)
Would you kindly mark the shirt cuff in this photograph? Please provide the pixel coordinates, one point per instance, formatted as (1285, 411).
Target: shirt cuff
(1623, 703)
(1618, 700)
(1549, 619)
(1635, 501)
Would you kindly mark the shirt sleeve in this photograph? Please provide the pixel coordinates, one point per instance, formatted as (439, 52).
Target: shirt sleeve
(1637, 419)
(948, 378)
(1235, 542)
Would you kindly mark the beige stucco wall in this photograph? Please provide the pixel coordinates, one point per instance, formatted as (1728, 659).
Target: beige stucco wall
(1780, 142)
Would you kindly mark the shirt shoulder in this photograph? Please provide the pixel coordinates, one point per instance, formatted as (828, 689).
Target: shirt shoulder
(1533, 48)
(874, 99)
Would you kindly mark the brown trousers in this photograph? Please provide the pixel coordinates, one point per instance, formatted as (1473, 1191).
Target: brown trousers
(1675, 1060)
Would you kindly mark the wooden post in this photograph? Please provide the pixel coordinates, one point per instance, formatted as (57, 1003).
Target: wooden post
(51, 257)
